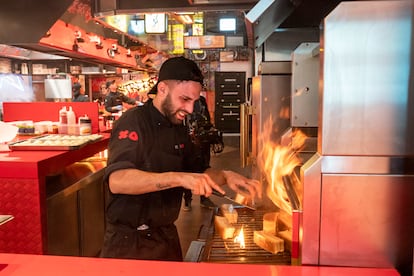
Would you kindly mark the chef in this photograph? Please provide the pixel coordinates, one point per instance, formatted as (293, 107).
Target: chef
(114, 98)
(151, 161)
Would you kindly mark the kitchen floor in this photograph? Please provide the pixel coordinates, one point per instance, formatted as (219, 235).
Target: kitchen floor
(189, 222)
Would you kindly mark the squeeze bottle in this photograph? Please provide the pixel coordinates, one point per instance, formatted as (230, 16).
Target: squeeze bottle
(72, 127)
(63, 121)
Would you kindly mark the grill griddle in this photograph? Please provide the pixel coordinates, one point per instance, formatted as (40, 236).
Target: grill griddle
(217, 250)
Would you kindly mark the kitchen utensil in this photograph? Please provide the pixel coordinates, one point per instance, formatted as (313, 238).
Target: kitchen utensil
(218, 194)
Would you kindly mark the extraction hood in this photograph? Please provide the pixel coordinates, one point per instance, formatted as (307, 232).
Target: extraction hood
(268, 15)
(27, 23)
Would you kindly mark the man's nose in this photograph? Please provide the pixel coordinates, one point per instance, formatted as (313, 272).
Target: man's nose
(189, 108)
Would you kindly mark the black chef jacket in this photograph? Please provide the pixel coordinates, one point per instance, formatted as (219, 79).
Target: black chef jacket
(143, 138)
(116, 98)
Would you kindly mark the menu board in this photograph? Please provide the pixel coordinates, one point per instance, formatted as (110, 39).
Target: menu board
(204, 42)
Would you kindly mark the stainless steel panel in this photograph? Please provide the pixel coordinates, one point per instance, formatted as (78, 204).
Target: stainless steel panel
(305, 84)
(270, 98)
(58, 88)
(280, 45)
(366, 77)
(361, 197)
(367, 220)
(275, 67)
(311, 178)
(367, 165)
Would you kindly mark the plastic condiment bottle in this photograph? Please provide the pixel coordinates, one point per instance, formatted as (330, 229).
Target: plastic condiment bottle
(85, 126)
(63, 121)
(72, 127)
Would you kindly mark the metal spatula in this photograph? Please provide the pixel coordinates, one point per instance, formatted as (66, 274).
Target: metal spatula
(216, 193)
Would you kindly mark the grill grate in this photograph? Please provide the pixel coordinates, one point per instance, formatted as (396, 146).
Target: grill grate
(218, 250)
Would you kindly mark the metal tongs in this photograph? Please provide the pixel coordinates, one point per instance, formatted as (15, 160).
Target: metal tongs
(218, 194)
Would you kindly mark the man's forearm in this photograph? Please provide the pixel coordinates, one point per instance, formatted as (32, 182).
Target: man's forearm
(134, 182)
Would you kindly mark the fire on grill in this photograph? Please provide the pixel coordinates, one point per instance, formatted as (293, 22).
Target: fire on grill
(263, 235)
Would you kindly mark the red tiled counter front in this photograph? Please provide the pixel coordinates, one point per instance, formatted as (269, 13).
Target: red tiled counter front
(23, 265)
(23, 193)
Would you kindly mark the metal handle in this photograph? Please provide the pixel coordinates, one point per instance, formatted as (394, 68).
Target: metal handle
(245, 110)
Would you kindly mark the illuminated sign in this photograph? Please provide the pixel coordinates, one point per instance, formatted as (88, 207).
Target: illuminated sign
(227, 24)
(178, 38)
(204, 42)
(119, 22)
(155, 23)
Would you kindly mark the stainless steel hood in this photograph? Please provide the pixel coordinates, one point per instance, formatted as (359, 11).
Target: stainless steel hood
(265, 17)
(26, 22)
(268, 15)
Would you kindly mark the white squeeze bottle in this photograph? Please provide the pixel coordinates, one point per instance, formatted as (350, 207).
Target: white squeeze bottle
(72, 126)
(63, 121)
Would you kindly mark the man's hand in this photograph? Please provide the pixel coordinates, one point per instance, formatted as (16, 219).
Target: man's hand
(246, 187)
(200, 184)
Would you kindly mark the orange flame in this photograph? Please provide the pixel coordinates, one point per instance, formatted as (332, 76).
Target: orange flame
(240, 238)
(276, 161)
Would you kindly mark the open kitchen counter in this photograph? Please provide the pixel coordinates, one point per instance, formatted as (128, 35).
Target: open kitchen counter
(23, 265)
(31, 188)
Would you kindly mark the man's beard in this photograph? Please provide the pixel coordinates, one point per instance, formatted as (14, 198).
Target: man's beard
(167, 109)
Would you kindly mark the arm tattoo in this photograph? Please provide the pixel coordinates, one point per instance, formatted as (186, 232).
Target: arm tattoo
(162, 187)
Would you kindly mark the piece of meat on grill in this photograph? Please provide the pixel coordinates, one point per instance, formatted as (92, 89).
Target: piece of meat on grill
(268, 242)
(229, 212)
(223, 227)
(270, 223)
(286, 235)
(284, 221)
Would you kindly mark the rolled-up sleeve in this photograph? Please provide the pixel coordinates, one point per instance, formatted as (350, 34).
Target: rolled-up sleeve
(124, 145)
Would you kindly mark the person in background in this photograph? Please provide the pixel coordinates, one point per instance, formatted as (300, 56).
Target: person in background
(114, 98)
(102, 94)
(151, 160)
(200, 116)
(79, 93)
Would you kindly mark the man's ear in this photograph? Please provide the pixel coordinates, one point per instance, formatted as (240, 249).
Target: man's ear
(162, 88)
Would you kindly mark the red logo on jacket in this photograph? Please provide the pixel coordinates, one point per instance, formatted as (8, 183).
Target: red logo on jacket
(126, 134)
